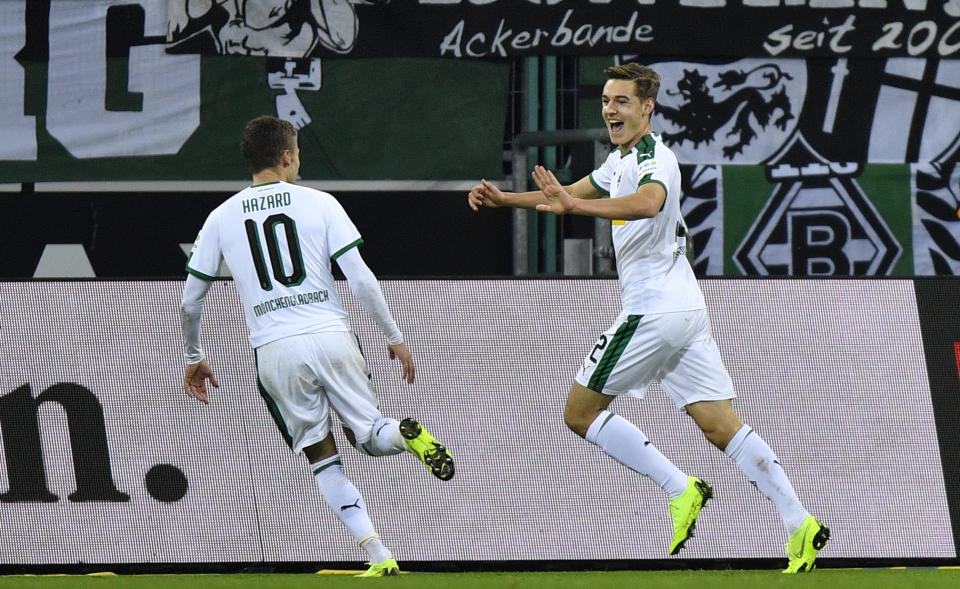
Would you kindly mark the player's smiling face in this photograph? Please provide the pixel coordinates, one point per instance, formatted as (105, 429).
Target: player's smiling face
(625, 114)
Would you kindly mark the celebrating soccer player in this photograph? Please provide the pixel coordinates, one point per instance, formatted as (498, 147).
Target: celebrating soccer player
(279, 241)
(663, 331)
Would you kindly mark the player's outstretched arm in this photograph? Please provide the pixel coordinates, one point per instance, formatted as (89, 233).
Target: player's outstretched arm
(560, 201)
(646, 202)
(486, 194)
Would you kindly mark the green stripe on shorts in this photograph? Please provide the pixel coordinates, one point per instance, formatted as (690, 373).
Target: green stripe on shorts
(614, 350)
(274, 410)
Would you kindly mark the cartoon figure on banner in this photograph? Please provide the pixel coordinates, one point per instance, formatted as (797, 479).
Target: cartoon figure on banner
(700, 116)
(741, 111)
(289, 29)
(296, 74)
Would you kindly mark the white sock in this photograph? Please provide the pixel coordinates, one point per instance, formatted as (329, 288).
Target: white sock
(376, 550)
(755, 458)
(625, 443)
(386, 439)
(345, 501)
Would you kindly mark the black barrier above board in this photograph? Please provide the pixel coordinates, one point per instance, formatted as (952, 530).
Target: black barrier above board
(107, 461)
(90, 234)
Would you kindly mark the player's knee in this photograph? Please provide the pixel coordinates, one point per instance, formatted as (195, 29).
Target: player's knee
(718, 421)
(351, 437)
(578, 423)
(719, 436)
(370, 447)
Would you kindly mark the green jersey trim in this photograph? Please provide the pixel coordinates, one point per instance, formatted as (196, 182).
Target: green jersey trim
(649, 144)
(200, 275)
(646, 180)
(597, 186)
(346, 248)
(264, 184)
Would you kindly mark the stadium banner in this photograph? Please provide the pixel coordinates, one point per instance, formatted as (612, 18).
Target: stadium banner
(499, 29)
(91, 93)
(107, 462)
(797, 157)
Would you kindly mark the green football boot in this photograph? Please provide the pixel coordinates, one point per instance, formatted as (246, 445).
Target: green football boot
(387, 568)
(425, 447)
(804, 544)
(685, 509)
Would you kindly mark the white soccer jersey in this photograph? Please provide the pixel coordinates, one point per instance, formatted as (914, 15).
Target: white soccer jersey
(279, 241)
(655, 276)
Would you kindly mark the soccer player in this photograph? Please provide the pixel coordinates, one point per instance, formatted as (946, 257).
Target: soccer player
(279, 241)
(662, 332)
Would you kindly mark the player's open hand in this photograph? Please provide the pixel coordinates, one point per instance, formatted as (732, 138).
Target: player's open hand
(560, 201)
(406, 360)
(485, 194)
(195, 380)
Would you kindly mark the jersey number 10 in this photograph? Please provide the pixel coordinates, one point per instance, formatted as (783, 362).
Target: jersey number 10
(297, 272)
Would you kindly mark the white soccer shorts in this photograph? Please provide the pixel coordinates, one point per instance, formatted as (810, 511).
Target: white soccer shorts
(677, 349)
(302, 377)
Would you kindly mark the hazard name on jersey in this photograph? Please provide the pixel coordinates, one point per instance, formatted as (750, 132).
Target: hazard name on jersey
(265, 202)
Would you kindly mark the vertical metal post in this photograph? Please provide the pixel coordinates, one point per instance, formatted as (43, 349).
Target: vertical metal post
(519, 166)
(533, 124)
(520, 253)
(602, 237)
(525, 230)
(548, 231)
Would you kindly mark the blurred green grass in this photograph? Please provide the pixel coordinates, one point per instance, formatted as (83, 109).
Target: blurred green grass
(919, 578)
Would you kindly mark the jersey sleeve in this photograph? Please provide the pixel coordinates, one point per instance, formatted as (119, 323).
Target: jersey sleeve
(206, 255)
(364, 286)
(342, 234)
(657, 169)
(601, 177)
